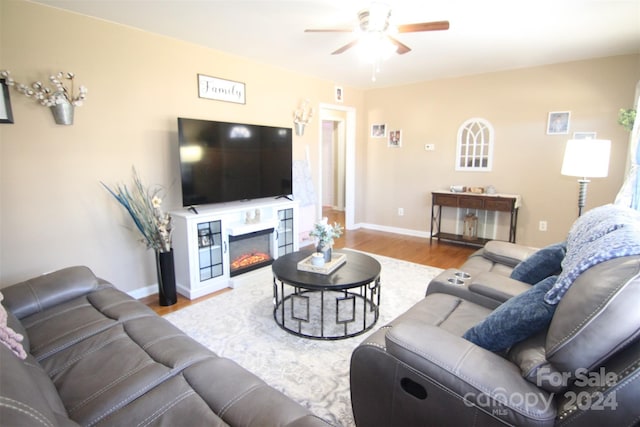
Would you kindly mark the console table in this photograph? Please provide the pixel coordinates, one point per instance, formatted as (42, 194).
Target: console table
(489, 202)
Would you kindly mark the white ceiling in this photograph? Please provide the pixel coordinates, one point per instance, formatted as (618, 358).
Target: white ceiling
(485, 35)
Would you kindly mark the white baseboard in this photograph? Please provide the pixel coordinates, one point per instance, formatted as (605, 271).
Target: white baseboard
(396, 230)
(143, 292)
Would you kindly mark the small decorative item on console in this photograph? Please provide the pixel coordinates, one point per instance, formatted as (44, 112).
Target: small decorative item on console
(476, 190)
(252, 216)
(470, 231)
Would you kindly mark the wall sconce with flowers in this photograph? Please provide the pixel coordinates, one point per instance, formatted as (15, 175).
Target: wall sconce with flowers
(60, 99)
(302, 117)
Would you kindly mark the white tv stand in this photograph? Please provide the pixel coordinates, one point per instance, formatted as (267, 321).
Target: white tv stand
(201, 240)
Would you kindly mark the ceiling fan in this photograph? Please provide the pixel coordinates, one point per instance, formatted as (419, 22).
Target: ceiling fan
(376, 20)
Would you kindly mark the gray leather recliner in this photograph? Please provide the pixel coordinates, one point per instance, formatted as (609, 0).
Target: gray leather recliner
(584, 370)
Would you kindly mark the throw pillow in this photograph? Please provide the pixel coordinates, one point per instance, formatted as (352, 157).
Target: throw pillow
(517, 319)
(8, 336)
(542, 264)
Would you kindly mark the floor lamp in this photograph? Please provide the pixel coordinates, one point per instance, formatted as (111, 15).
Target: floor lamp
(586, 158)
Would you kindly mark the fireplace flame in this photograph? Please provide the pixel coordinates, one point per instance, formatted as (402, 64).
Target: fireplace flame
(247, 260)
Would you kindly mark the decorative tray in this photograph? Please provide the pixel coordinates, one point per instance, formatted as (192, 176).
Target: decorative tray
(337, 259)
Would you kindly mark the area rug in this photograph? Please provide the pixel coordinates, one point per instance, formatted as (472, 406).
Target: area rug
(239, 325)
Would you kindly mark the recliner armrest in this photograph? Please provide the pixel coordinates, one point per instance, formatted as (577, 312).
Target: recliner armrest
(481, 378)
(497, 286)
(36, 294)
(506, 253)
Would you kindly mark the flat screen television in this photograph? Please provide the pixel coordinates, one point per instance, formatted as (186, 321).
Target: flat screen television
(224, 162)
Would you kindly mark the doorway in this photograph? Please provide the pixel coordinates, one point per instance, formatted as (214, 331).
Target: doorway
(333, 157)
(337, 161)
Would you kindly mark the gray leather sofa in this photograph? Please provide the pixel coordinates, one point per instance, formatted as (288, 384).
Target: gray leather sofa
(583, 369)
(486, 274)
(95, 356)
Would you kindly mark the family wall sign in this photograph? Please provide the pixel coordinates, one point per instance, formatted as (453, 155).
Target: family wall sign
(221, 89)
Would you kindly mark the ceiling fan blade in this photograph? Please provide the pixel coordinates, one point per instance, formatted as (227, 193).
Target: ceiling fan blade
(345, 47)
(402, 48)
(329, 30)
(424, 26)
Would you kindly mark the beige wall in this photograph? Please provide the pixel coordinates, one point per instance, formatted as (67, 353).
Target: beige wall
(526, 161)
(53, 212)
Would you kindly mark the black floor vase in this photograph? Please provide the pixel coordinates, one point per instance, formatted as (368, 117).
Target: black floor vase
(166, 278)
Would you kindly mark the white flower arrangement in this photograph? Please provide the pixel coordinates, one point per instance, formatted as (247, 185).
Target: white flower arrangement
(325, 233)
(304, 113)
(59, 94)
(144, 207)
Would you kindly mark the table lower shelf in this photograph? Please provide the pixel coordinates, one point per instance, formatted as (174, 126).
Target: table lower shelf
(458, 238)
(326, 314)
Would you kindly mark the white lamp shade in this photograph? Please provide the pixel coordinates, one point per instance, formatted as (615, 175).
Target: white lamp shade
(588, 158)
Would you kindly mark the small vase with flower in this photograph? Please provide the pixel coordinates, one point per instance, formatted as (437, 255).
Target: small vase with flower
(324, 234)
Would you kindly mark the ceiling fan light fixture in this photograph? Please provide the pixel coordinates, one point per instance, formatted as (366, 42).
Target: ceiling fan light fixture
(374, 36)
(375, 18)
(375, 47)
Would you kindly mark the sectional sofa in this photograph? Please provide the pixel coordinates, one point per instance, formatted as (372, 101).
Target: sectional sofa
(91, 355)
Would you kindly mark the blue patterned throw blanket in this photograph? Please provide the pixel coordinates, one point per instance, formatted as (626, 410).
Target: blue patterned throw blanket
(603, 233)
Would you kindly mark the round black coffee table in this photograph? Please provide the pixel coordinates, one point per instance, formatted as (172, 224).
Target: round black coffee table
(342, 304)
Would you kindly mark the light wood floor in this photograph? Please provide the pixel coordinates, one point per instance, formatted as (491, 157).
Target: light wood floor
(408, 248)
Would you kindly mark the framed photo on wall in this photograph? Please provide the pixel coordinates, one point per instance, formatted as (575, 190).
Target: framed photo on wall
(558, 122)
(395, 138)
(378, 130)
(6, 115)
(339, 94)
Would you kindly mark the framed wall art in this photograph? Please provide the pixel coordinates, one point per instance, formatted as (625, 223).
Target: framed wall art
(558, 122)
(221, 89)
(378, 130)
(6, 115)
(395, 138)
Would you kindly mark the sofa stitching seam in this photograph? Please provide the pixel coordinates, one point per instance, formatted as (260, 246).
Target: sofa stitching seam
(72, 342)
(166, 407)
(143, 389)
(20, 407)
(105, 388)
(57, 313)
(162, 338)
(92, 350)
(35, 296)
(237, 398)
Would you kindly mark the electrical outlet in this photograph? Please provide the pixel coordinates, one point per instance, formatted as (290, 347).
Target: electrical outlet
(400, 211)
(542, 226)
(429, 147)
